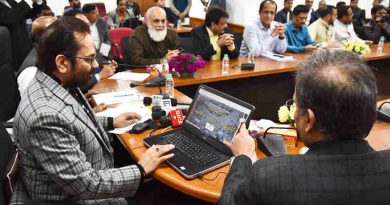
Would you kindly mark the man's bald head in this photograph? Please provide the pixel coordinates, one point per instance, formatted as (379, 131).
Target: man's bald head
(40, 25)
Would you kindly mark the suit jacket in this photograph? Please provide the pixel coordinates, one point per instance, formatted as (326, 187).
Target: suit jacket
(202, 46)
(145, 51)
(135, 8)
(14, 19)
(104, 37)
(338, 172)
(9, 94)
(65, 152)
(281, 16)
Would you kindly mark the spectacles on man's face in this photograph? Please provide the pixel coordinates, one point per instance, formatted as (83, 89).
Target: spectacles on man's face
(157, 21)
(88, 59)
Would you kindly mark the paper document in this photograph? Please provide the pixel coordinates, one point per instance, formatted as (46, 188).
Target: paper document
(136, 106)
(125, 75)
(105, 49)
(117, 97)
(278, 57)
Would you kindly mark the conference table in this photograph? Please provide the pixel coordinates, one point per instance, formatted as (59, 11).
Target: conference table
(271, 83)
(209, 187)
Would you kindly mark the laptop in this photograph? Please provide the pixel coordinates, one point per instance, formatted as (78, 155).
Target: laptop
(201, 144)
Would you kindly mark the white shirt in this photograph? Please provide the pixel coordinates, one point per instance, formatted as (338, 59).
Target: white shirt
(95, 35)
(345, 32)
(5, 3)
(25, 78)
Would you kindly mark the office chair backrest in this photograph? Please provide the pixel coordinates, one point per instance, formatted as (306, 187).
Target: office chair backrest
(116, 36)
(7, 154)
(186, 44)
(9, 93)
(102, 9)
(130, 23)
(125, 49)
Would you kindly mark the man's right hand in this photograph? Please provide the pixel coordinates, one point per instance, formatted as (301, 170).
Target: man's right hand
(225, 40)
(170, 54)
(154, 156)
(279, 30)
(310, 48)
(243, 144)
(107, 71)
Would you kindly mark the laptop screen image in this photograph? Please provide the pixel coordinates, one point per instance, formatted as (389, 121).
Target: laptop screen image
(216, 116)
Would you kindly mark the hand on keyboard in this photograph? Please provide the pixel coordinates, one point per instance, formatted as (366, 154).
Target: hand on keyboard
(154, 156)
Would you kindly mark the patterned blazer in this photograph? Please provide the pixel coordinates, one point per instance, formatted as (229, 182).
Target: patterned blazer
(65, 153)
(339, 172)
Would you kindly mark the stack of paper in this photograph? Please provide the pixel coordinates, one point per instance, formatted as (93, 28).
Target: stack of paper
(125, 75)
(136, 106)
(117, 97)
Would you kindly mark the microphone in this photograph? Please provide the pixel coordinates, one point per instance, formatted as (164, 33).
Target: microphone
(148, 84)
(127, 66)
(175, 118)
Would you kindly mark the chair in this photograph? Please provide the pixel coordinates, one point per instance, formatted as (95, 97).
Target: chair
(237, 39)
(116, 36)
(125, 50)
(102, 9)
(9, 93)
(7, 157)
(186, 44)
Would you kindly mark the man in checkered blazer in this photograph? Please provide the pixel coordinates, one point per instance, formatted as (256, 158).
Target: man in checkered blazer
(65, 154)
(335, 97)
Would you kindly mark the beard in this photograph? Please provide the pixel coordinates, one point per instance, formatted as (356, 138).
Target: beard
(78, 78)
(157, 36)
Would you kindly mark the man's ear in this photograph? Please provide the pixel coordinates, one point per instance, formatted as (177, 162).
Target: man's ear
(62, 64)
(310, 120)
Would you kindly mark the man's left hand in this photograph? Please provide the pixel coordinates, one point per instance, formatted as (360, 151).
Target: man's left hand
(126, 119)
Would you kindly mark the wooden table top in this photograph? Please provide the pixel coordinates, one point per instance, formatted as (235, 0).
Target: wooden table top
(263, 66)
(209, 187)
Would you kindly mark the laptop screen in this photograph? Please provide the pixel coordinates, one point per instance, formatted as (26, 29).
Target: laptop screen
(216, 116)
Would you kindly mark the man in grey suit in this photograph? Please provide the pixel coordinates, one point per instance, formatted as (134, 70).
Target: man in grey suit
(335, 97)
(65, 153)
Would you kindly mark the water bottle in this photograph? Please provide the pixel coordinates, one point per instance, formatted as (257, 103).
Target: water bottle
(380, 45)
(178, 24)
(170, 86)
(165, 67)
(225, 65)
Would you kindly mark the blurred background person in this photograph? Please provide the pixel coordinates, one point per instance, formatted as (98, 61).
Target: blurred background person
(285, 15)
(118, 15)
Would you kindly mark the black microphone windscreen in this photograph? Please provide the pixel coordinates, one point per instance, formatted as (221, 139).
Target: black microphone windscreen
(132, 85)
(147, 101)
(173, 102)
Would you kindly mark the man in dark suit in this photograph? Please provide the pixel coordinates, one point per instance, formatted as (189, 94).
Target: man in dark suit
(285, 15)
(13, 15)
(210, 39)
(335, 98)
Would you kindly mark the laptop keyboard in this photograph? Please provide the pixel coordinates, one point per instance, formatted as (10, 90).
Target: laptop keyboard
(190, 148)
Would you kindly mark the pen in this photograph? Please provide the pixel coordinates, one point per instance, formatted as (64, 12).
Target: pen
(124, 95)
(277, 55)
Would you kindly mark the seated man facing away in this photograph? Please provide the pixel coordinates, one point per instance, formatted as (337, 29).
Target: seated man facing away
(340, 166)
(153, 42)
(210, 39)
(65, 153)
(344, 30)
(264, 35)
(321, 31)
(298, 37)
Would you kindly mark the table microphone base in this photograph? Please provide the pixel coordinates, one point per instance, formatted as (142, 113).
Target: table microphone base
(272, 145)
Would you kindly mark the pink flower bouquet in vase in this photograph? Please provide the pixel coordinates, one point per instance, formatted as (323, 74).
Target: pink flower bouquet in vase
(186, 64)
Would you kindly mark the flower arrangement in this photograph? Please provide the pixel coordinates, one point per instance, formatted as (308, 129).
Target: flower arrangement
(186, 63)
(286, 113)
(356, 46)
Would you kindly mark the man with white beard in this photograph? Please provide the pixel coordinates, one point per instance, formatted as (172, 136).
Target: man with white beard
(153, 42)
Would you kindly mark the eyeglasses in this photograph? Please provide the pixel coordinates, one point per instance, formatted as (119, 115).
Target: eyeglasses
(156, 21)
(89, 60)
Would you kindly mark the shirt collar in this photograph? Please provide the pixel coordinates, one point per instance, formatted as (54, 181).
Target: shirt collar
(262, 27)
(211, 34)
(324, 23)
(340, 147)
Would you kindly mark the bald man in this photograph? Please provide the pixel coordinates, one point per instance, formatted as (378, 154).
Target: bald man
(28, 68)
(153, 42)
